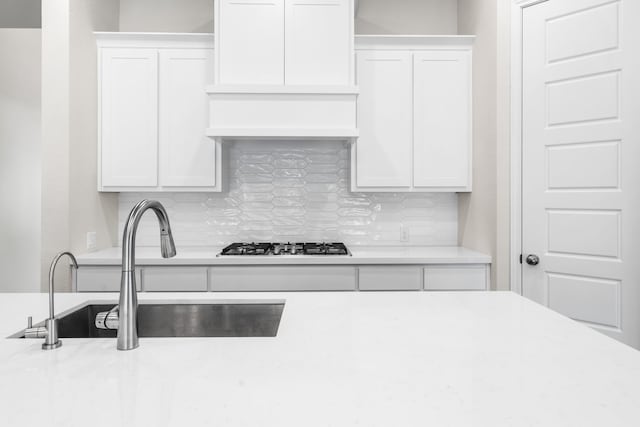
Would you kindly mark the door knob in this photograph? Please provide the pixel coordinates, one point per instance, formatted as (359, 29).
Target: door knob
(533, 259)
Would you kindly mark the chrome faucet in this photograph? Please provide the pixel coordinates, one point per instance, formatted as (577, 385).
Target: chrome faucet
(128, 305)
(50, 330)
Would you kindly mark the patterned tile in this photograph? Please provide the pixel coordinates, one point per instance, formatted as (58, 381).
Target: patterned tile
(283, 191)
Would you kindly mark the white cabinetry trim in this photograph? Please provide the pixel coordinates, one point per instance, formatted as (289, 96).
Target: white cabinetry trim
(287, 115)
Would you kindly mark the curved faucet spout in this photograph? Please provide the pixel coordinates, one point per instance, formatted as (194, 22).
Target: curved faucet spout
(52, 273)
(50, 330)
(167, 247)
(128, 306)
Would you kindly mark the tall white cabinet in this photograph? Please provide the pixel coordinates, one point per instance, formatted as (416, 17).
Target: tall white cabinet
(413, 114)
(153, 113)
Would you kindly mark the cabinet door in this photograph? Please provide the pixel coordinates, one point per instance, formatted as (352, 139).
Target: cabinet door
(174, 279)
(283, 278)
(383, 150)
(442, 119)
(469, 277)
(318, 42)
(389, 278)
(187, 156)
(101, 279)
(250, 41)
(129, 117)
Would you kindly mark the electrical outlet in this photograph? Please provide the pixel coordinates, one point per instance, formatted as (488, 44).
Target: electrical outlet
(404, 233)
(91, 240)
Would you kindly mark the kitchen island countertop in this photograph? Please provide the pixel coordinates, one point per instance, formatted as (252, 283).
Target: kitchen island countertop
(339, 359)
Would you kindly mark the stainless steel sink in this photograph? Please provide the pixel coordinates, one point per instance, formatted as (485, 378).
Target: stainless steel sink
(182, 319)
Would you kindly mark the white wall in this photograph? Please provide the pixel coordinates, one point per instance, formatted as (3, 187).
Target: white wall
(89, 210)
(477, 210)
(484, 215)
(20, 159)
(374, 16)
(407, 17)
(503, 148)
(174, 16)
(69, 110)
(55, 134)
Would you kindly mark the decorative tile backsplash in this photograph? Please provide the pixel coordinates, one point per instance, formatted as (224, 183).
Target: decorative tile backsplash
(296, 191)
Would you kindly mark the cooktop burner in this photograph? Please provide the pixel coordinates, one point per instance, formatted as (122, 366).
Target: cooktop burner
(247, 249)
(286, 249)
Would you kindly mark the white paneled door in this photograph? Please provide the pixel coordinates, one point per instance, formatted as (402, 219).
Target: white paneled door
(580, 173)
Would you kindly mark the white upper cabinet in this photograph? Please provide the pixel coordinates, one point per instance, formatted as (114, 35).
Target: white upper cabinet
(384, 115)
(250, 41)
(285, 69)
(153, 113)
(318, 42)
(413, 114)
(284, 42)
(129, 119)
(187, 156)
(442, 119)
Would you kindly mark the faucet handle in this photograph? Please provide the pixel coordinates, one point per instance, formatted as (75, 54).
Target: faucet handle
(37, 332)
(108, 319)
(49, 332)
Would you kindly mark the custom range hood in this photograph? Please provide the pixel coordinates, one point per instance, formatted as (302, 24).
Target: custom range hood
(283, 69)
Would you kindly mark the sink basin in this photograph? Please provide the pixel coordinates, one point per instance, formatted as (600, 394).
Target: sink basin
(183, 319)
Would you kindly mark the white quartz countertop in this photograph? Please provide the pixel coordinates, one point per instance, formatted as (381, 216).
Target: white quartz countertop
(359, 255)
(339, 359)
